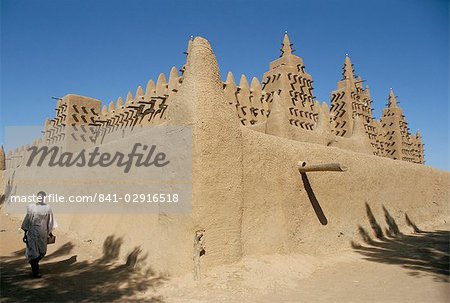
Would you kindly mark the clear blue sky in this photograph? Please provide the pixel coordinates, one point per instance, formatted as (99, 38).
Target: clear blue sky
(104, 48)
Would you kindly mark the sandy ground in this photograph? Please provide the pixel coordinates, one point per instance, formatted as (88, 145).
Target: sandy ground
(407, 268)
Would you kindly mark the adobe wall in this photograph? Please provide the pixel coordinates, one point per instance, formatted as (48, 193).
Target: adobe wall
(165, 238)
(278, 215)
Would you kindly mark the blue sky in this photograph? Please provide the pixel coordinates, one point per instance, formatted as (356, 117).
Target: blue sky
(103, 48)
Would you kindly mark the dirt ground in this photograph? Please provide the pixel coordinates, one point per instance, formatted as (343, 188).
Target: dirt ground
(406, 267)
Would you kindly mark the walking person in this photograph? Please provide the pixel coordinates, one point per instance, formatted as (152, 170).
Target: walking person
(38, 225)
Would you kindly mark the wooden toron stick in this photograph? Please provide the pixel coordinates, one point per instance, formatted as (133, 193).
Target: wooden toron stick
(303, 167)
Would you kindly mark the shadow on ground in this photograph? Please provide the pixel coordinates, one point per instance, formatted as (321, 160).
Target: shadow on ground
(423, 253)
(102, 280)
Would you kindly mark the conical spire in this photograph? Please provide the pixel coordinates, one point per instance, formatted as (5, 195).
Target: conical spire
(111, 106)
(173, 73)
(243, 83)
(230, 88)
(173, 79)
(348, 69)
(286, 47)
(119, 102)
(161, 85)
(201, 73)
(150, 88)
(104, 110)
(230, 79)
(392, 99)
(129, 99)
(139, 93)
(255, 85)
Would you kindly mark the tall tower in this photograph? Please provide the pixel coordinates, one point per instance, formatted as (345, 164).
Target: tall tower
(349, 100)
(399, 142)
(73, 124)
(287, 78)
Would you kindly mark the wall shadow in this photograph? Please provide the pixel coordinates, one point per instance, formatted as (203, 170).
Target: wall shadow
(422, 253)
(100, 280)
(10, 187)
(411, 223)
(376, 227)
(312, 198)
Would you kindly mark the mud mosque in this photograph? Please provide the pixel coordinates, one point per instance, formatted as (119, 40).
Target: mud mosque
(248, 138)
(282, 104)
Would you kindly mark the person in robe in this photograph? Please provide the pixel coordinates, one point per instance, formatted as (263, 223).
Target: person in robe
(37, 225)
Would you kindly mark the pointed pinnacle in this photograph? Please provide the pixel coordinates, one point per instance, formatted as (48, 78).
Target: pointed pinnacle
(348, 69)
(119, 102)
(150, 88)
(129, 98)
(243, 83)
(392, 98)
(139, 92)
(173, 73)
(230, 78)
(286, 48)
(255, 85)
(111, 106)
